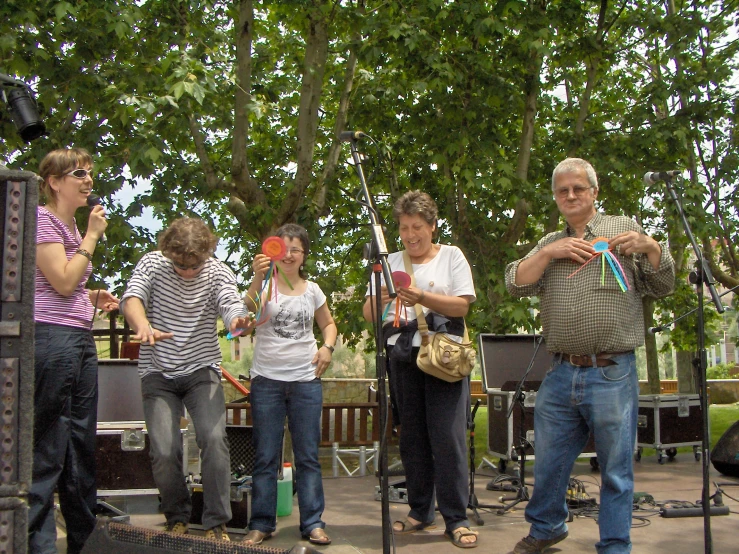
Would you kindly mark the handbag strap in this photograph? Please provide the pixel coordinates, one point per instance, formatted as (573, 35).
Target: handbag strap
(423, 327)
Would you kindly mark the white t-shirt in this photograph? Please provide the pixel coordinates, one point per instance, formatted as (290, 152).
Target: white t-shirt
(448, 274)
(285, 344)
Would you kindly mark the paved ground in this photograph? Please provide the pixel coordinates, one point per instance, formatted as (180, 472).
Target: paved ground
(354, 517)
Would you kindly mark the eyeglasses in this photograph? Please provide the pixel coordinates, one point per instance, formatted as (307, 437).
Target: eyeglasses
(187, 267)
(564, 193)
(79, 173)
(294, 251)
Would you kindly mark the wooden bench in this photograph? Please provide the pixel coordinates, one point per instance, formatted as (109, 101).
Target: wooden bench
(477, 392)
(352, 428)
(348, 428)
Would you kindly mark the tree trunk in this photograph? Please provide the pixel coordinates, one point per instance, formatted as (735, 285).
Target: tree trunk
(650, 343)
(685, 372)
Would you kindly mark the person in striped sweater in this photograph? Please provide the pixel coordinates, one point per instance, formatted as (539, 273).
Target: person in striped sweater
(172, 302)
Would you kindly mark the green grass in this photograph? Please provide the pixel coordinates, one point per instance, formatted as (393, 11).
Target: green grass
(722, 416)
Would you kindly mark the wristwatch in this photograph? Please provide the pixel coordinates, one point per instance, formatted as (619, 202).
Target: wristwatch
(331, 348)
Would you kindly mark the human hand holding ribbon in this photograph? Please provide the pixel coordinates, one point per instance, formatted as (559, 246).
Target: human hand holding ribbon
(275, 249)
(401, 280)
(600, 244)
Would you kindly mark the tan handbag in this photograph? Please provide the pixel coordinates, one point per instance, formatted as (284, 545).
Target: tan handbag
(439, 355)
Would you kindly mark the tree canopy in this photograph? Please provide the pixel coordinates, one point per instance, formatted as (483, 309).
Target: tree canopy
(231, 111)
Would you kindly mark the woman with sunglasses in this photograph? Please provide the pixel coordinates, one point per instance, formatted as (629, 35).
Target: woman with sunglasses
(66, 387)
(286, 381)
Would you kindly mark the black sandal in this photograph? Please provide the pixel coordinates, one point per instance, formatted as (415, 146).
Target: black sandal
(409, 527)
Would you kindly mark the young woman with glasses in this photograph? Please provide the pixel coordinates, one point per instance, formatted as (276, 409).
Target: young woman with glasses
(286, 381)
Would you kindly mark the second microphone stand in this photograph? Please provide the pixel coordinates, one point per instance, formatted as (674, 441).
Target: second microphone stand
(519, 398)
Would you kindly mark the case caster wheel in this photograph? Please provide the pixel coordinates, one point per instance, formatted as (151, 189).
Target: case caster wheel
(502, 465)
(594, 463)
(671, 453)
(660, 457)
(637, 455)
(697, 454)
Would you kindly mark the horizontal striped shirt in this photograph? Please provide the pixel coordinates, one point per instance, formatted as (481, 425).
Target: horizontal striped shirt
(588, 313)
(189, 308)
(76, 309)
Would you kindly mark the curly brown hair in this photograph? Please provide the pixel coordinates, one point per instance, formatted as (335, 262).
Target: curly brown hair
(416, 202)
(60, 162)
(188, 241)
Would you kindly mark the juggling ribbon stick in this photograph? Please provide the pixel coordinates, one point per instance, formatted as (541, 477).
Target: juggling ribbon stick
(600, 245)
(275, 249)
(401, 280)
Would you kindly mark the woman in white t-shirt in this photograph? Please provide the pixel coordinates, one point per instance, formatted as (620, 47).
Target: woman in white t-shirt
(433, 413)
(286, 381)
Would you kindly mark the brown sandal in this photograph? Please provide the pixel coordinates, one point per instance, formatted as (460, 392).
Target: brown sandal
(456, 537)
(319, 536)
(255, 537)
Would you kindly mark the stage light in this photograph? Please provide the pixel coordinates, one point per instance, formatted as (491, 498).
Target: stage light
(19, 98)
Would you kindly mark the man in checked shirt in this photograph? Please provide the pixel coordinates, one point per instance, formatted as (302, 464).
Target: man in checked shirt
(591, 327)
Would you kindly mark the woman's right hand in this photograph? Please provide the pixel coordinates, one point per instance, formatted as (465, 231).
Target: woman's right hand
(97, 223)
(260, 265)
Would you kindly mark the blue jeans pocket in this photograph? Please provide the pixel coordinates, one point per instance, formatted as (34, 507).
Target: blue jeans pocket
(616, 372)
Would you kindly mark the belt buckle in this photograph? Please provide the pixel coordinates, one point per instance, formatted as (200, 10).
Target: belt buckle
(578, 360)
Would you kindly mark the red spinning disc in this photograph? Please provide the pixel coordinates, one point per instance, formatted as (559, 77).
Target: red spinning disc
(401, 279)
(274, 248)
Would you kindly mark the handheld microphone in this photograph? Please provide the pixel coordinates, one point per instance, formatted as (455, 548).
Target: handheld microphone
(92, 201)
(347, 136)
(651, 177)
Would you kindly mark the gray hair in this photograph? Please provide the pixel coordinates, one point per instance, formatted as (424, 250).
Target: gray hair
(570, 165)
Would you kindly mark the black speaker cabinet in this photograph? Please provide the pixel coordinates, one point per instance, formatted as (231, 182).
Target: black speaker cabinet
(18, 202)
(667, 421)
(505, 358)
(121, 538)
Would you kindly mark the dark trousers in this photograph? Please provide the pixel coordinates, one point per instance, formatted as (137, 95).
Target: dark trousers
(433, 446)
(65, 427)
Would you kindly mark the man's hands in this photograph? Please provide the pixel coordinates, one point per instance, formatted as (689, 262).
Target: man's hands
(241, 325)
(577, 250)
(103, 300)
(147, 334)
(632, 242)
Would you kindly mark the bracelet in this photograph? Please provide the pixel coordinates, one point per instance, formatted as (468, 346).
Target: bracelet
(84, 253)
(331, 348)
(422, 295)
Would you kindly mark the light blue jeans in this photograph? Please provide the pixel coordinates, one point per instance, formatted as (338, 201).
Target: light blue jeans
(571, 402)
(301, 402)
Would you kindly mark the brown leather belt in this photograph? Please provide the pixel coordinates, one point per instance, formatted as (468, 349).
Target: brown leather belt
(584, 360)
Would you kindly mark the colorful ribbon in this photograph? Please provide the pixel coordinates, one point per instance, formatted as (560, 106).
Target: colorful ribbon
(600, 245)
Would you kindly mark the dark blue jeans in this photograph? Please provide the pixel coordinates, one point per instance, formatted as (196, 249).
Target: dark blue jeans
(164, 400)
(65, 427)
(301, 402)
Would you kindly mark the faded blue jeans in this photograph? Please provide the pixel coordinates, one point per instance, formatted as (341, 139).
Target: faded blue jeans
(202, 394)
(571, 402)
(301, 402)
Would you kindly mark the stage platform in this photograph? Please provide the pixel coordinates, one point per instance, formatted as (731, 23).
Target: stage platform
(353, 517)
